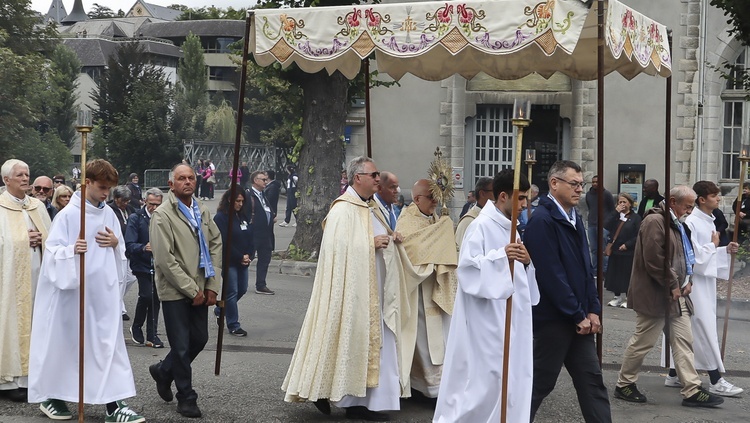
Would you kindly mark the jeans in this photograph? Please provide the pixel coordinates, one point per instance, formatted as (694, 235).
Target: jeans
(236, 289)
(147, 307)
(187, 332)
(291, 203)
(591, 233)
(556, 343)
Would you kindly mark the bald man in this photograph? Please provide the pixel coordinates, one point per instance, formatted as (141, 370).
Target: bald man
(429, 261)
(42, 190)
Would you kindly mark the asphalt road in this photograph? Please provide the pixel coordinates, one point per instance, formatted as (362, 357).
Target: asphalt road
(252, 370)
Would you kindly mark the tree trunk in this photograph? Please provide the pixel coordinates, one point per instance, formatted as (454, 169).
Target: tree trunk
(321, 156)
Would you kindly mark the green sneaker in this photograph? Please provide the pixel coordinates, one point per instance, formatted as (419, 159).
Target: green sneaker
(55, 409)
(124, 414)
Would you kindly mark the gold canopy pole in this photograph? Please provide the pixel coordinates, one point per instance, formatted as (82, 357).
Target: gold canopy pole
(521, 115)
(83, 126)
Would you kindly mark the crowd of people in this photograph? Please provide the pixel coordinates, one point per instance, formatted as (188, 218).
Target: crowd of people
(404, 303)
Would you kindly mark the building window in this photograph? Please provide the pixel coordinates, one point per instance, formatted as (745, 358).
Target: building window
(735, 120)
(493, 140)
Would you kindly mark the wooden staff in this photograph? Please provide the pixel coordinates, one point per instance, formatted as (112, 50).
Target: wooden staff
(667, 214)
(600, 172)
(84, 128)
(233, 193)
(520, 123)
(738, 207)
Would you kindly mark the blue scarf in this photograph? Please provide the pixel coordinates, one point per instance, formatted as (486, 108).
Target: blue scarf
(687, 247)
(196, 223)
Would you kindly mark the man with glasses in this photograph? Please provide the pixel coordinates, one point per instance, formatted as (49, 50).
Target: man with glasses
(42, 191)
(430, 286)
(567, 316)
(346, 349)
(261, 221)
(483, 192)
(58, 180)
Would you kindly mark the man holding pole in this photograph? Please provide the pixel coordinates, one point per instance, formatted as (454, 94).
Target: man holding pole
(186, 244)
(471, 387)
(53, 365)
(567, 316)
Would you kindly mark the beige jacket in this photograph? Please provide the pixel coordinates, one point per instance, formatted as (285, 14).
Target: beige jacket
(177, 252)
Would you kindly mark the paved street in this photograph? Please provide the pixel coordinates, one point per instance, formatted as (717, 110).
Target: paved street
(248, 389)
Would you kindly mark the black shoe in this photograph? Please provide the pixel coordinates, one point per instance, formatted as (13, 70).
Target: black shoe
(324, 406)
(630, 393)
(362, 413)
(189, 408)
(17, 395)
(154, 342)
(702, 399)
(125, 317)
(136, 334)
(264, 291)
(163, 385)
(238, 332)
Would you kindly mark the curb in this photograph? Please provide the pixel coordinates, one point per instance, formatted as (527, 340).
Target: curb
(290, 267)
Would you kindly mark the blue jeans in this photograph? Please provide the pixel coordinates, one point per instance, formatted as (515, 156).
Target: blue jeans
(591, 232)
(236, 289)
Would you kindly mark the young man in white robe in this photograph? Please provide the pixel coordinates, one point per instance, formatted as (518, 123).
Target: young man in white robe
(53, 364)
(711, 262)
(471, 388)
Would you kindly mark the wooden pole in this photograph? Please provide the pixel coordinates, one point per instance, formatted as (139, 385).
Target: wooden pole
(600, 172)
(667, 214)
(368, 127)
(84, 130)
(743, 173)
(233, 192)
(528, 203)
(520, 123)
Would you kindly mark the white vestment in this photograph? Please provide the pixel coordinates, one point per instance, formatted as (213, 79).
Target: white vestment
(53, 367)
(470, 391)
(386, 395)
(464, 223)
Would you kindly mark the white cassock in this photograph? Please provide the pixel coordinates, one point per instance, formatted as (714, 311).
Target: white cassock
(53, 364)
(386, 395)
(470, 390)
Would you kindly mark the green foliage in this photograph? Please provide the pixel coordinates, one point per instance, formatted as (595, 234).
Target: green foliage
(738, 12)
(44, 153)
(297, 254)
(133, 116)
(61, 108)
(221, 123)
(274, 107)
(191, 98)
(211, 12)
(25, 34)
(100, 12)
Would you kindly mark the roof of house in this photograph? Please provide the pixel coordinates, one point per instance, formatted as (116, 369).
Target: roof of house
(96, 51)
(202, 28)
(154, 11)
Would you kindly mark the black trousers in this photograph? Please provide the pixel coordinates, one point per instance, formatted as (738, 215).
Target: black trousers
(291, 204)
(187, 331)
(557, 343)
(147, 307)
(264, 253)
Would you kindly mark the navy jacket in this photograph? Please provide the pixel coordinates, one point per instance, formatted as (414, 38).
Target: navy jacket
(242, 240)
(136, 238)
(262, 228)
(560, 253)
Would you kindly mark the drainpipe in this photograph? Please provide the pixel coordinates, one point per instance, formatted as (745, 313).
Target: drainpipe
(701, 89)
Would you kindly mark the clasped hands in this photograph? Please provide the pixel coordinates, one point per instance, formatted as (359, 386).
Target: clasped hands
(591, 324)
(104, 239)
(206, 297)
(517, 251)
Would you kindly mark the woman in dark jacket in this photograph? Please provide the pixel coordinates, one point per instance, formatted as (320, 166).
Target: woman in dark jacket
(620, 265)
(240, 254)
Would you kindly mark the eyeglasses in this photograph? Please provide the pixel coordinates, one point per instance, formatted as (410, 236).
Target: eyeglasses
(572, 184)
(59, 182)
(429, 197)
(263, 179)
(373, 175)
(43, 189)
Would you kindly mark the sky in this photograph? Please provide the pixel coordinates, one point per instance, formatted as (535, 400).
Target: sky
(42, 6)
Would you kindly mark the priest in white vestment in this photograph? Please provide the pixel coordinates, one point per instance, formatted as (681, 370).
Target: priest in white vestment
(472, 374)
(429, 263)
(711, 262)
(53, 367)
(24, 224)
(347, 349)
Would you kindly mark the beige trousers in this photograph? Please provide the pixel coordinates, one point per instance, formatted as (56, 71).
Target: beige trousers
(647, 331)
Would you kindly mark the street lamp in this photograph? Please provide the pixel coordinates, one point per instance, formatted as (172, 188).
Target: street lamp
(530, 161)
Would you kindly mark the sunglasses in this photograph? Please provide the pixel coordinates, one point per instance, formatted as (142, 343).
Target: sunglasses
(373, 175)
(59, 182)
(42, 189)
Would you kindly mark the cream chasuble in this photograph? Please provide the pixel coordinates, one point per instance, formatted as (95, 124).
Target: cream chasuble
(429, 260)
(338, 351)
(470, 391)
(19, 269)
(464, 223)
(53, 367)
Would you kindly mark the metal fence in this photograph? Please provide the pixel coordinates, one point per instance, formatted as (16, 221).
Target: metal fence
(156, 178)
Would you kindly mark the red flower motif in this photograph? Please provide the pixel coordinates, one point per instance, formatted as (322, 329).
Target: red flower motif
(373, 19)
(628, 21)
(444, 13)
(465, 15)
(353, 18)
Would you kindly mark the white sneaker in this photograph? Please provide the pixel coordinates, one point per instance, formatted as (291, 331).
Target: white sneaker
(615, 301)
(672, 382)
(725, 389)
(283, 224)
(294, 225)
(624, 303)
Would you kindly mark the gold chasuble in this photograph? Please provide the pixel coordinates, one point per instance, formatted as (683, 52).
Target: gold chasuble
(16, 296)
(338, 349)
(429, 259)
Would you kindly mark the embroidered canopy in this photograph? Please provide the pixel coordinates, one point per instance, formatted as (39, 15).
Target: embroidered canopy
(506, 39)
